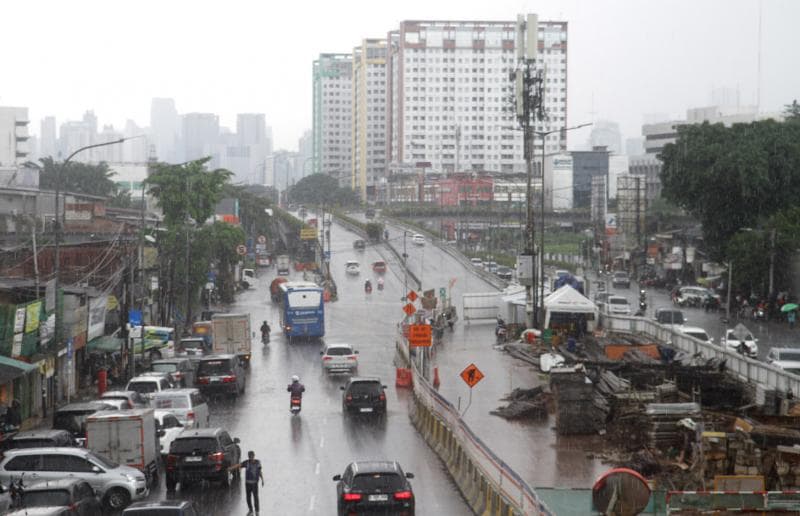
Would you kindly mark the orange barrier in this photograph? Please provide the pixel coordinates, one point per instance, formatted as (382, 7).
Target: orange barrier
(615, 351)
(436, 382)
(326, 295)
(404, 377)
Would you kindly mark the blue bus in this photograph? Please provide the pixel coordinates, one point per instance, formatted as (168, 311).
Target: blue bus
(302, 310)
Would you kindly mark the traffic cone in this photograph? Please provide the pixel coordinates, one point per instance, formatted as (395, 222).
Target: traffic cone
(436, 382)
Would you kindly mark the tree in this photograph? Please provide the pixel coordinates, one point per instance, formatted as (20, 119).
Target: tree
(792, 111)
(732, 177)
(217, 243)
(187, 190)
(77, 177)
(319, 189)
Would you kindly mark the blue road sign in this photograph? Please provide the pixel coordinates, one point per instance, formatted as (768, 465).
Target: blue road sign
(135, 317)
(327, 256)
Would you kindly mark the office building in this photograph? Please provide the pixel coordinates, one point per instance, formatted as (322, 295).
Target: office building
(48, 138)
(333, 115)
(165, 129)
(200, 135)
(13, 135)
(606, 133)
(448, 95)
(305, 154)
(587, 165)
(369, 116)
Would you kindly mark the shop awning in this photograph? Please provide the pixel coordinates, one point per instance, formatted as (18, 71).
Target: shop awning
(105, 344)
(11, 369)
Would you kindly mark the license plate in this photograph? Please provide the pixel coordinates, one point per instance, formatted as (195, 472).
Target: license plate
(194, 459)
(366, 409)
(215, 379)
(378, 498)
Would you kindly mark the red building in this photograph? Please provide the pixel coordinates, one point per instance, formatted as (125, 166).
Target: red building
(465, 190)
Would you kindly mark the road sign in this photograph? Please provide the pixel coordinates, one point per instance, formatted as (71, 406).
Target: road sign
(262, 239)
(409, 309)
(308, 234)
(241, 250)
(412, 296)
(442, 292)
(471, 375)
(419, 335)
(327, 256)
(135, 317)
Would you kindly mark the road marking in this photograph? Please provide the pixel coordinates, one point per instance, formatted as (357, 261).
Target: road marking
(311, 503)
(316, 469)
(322, 442)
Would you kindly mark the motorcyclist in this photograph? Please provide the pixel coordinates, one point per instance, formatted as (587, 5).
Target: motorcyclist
(380, 283)
(368, 286)
(265, 330)
(296, 388)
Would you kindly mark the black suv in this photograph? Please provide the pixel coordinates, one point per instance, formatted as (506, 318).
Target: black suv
(202, 454)
(375, 487)
(220, 374)
(364, 395)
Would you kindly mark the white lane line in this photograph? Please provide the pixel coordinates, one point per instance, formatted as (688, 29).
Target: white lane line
(311, 503)
(322, 442)
(316, 469)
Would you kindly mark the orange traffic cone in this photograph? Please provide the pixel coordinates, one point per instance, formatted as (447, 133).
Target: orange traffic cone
(436, 382)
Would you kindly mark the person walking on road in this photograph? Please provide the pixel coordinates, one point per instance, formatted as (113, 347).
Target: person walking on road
(792, 318)
(252, 468)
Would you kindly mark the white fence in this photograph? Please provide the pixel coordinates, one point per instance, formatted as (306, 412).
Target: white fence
(481, 306)
(746, 369)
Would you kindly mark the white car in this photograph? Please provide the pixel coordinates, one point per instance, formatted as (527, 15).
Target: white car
(618, 305)
(698, 333)
(417, 239)
(169, 426)
(147, 385)
(352, 268)
(740, 340)
(339, 357)
(787, 359)
(477, 262)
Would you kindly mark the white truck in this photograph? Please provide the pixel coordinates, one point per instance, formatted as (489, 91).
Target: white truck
(231, 334)
(128, 437)
(283, 264)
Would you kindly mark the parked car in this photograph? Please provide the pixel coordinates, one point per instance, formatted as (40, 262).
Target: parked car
(191, 347)
(378, 487)
(339, 357)
(417, 239)
(40, 511)
(162, 508)
(787, 359)
(40, 439)
(168, 426)
(188, 405)
(220, 374)
(698, 333)
(359, 245)
(133, 398)
(669, 316)
(202, 454)
(476, 262)
(364, 395)
(146, 385)
(72, 418)
(76, 495)
(116, 485)
(617, 305)
(180, 368)
(352, 267)
(741, 340)
(620, 279)
(505, 273)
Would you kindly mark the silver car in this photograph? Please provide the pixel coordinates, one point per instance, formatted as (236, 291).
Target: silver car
(116, 485)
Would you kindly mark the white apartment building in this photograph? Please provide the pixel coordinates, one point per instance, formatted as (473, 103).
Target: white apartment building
(13, 136)
(369, 116)
(449, 95)
(333, 116)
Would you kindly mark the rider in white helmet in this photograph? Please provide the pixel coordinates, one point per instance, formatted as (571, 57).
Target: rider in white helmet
(296, 388)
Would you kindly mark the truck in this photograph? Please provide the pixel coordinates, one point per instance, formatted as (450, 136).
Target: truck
(231, 334)
(128, 437)
(282, 263)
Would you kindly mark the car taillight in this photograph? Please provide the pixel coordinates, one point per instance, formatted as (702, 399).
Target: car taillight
(382, 397)
(190, 415)
(228, 379)
(171, 461)
(348, 398)
(177, 375)
(203, 380)
(403, 495)
(351, 497)
(326, 358)
(351, 357)
(217, 458)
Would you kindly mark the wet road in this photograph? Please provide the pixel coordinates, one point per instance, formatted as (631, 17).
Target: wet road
(301, 454)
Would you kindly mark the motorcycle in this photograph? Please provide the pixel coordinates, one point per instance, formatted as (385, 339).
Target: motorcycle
(265, 338)
(294, 405)
(759, 314)
(500, 331)
(368, 288)
(380, 285)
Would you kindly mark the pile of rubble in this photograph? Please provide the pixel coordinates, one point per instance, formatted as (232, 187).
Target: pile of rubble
(524, 404)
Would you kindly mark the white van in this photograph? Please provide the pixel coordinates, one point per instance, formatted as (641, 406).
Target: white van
(188, 405)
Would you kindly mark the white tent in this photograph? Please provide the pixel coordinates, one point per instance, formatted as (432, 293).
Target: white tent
(567, 300)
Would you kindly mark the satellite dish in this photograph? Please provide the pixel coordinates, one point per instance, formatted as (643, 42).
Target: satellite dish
(620, 492)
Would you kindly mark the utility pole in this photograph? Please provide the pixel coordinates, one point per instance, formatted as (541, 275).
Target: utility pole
(771, 261)
(528, 106)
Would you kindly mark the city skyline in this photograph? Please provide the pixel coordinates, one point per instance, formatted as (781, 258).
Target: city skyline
(626, 59)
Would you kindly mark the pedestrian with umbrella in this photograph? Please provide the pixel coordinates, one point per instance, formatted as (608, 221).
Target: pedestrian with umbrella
(790, 309)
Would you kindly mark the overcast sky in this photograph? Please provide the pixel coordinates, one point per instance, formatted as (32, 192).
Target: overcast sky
(626, 58)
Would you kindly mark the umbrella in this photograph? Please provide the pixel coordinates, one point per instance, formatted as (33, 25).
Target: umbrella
(788, 307)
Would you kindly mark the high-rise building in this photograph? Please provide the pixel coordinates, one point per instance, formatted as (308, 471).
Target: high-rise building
(48, 139)
(75, 134)
(369, 116)
(305, 151)
(634, 146)
(449, 92)
(605, 133)
(13, 135)
(200, 135)
(165, 129)
(332, 123)
(254, 135)
(587, 165)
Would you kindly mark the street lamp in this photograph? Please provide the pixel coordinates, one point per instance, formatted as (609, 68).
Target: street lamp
(543, 135)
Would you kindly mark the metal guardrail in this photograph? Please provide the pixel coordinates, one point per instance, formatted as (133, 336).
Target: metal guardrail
(746, 369)
(504, 479)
